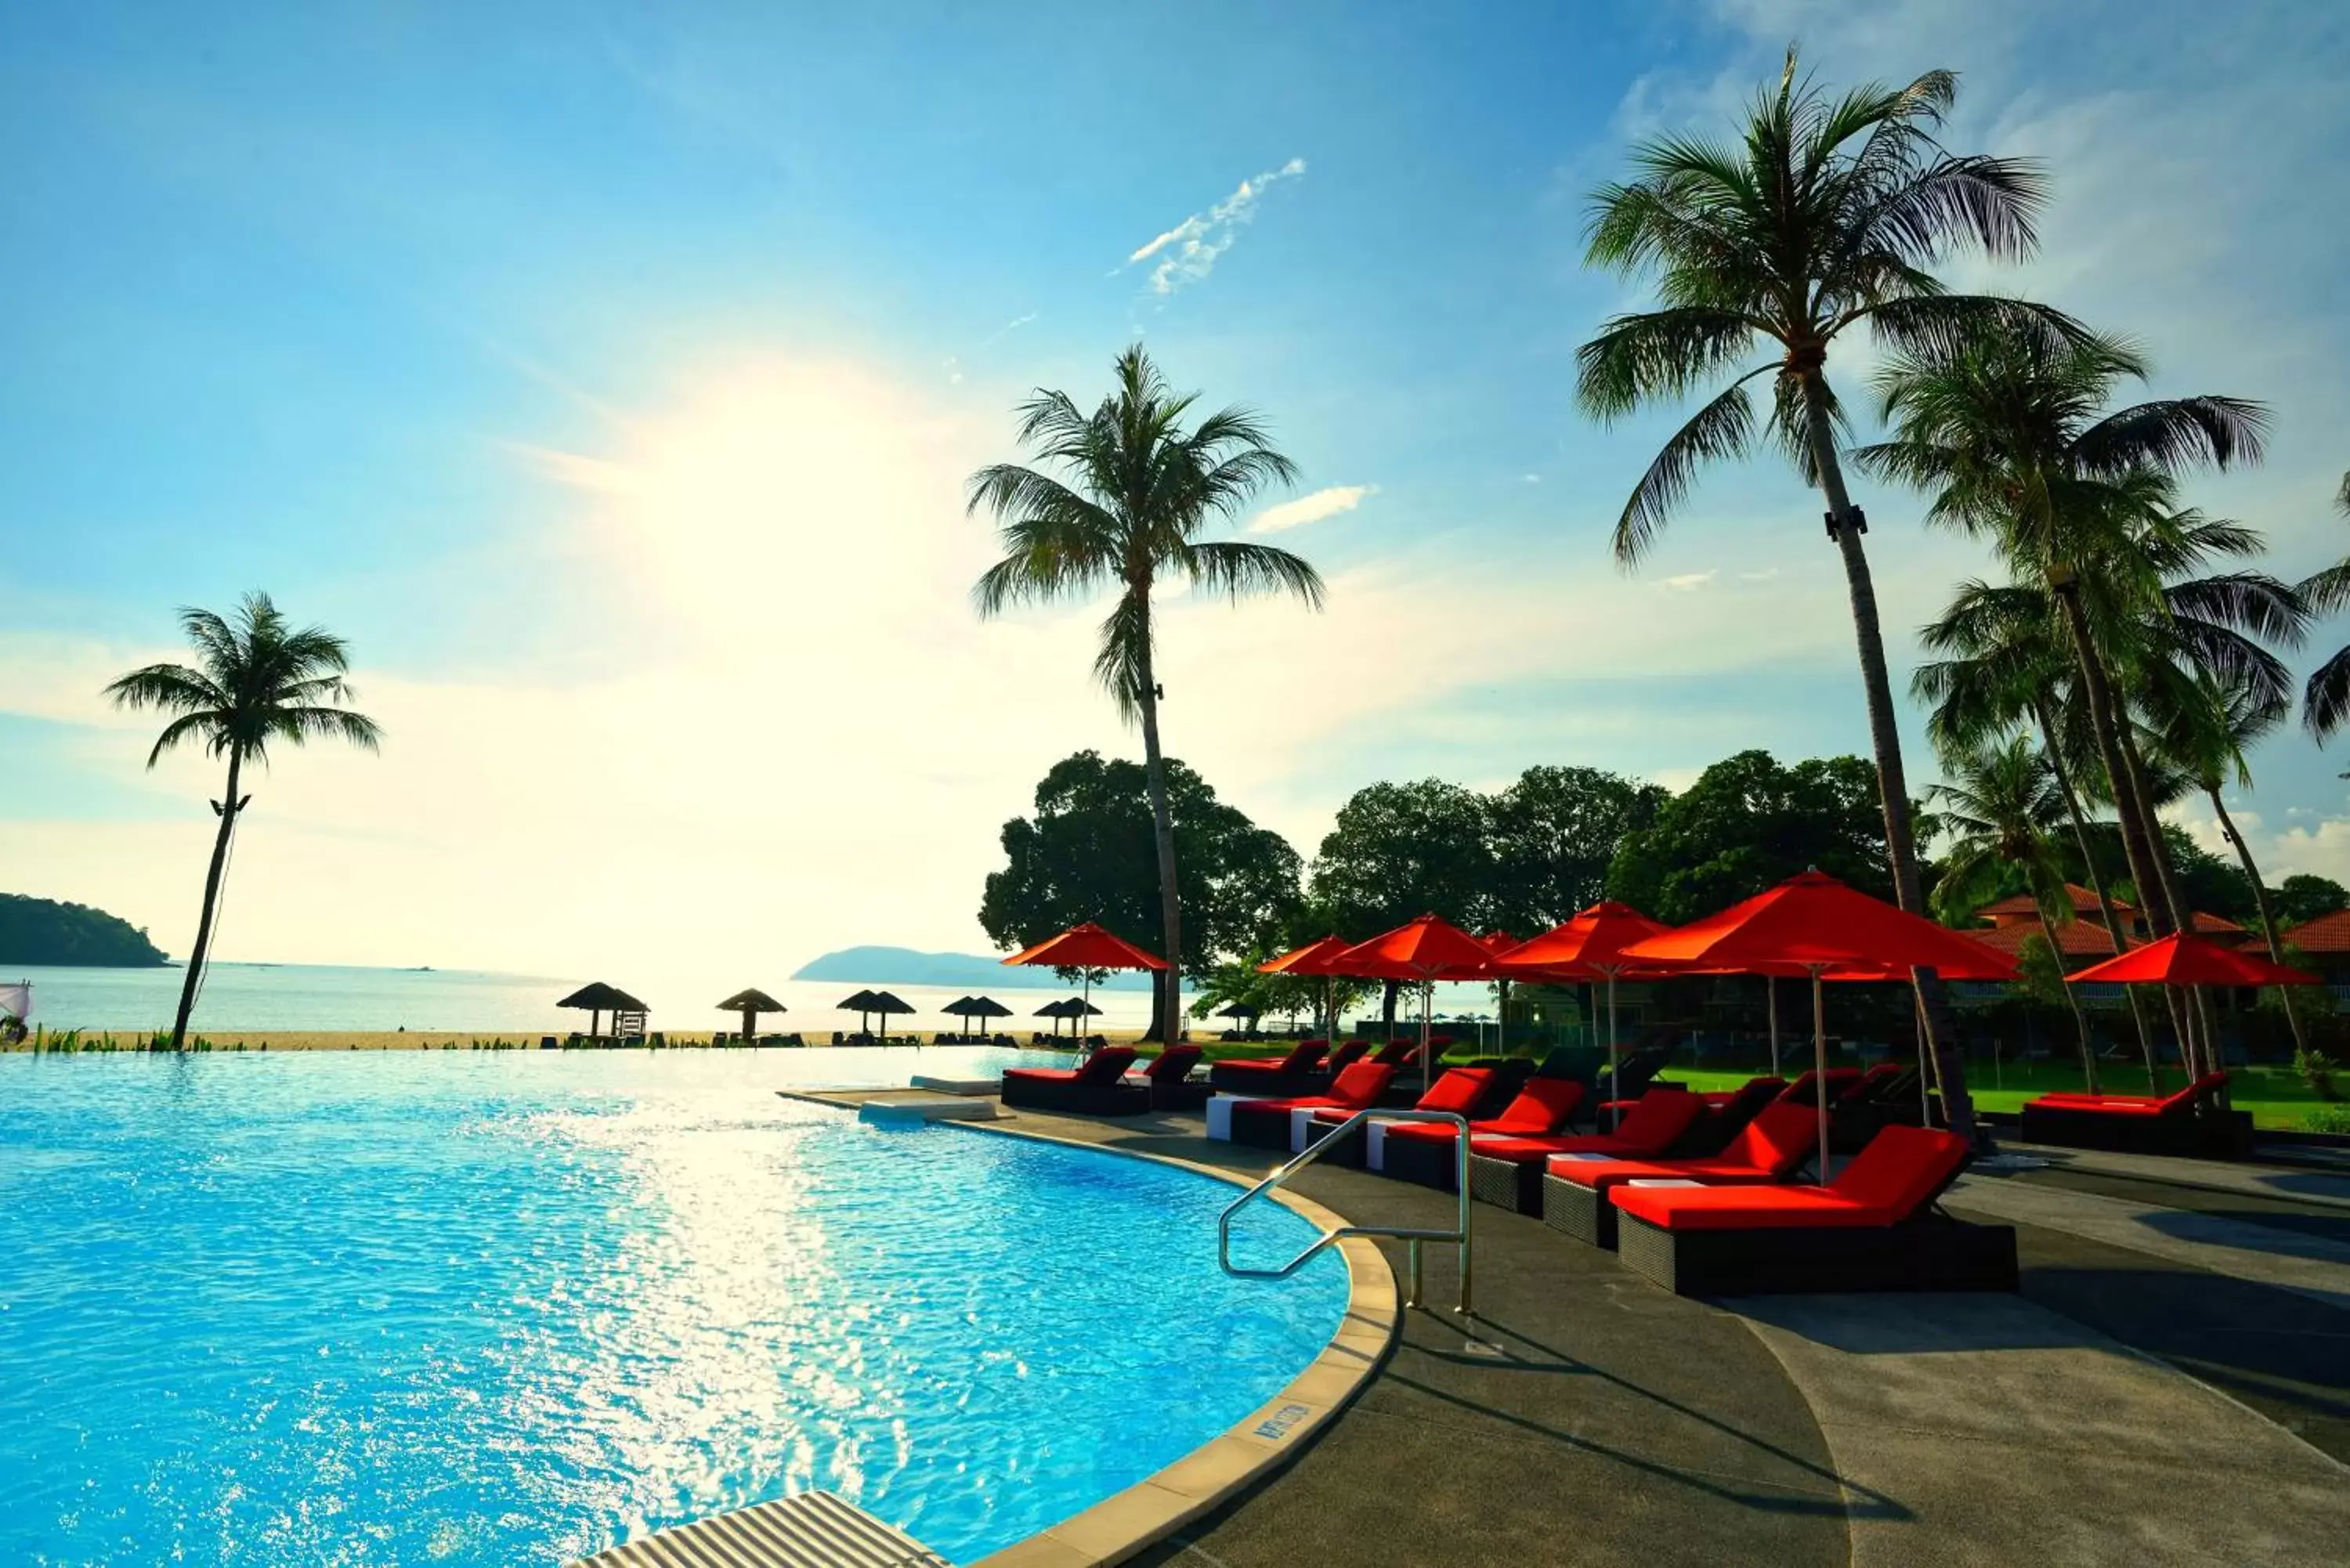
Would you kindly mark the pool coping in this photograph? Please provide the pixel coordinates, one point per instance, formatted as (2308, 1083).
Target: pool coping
(1262, 1443)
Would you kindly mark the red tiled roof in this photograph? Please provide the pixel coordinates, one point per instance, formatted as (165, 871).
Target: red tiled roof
(2082, 939)
(2325, 934)
(2085, 904)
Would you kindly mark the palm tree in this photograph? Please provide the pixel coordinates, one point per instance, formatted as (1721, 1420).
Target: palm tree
(2004, 429)
(1821, 223)
(255, 679)
(1133, 490)
(2325, 701)
(2006, 669)
(2000, 810)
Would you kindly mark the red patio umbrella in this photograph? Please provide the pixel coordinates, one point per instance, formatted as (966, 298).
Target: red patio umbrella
(1312, 959)
(1819, 925)
(1088, 948)
(2184, 960)
(1592, 943)
(1424, 951)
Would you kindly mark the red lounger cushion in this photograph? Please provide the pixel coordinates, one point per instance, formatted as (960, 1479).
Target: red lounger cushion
(1358, 1088)
(1654, 1125)
(1301, 1060)
(2135, 1104)
(1457, 1091)
(1346, 1055)
(1174, 1064)
(1540, 1110)
(1901, 1169)
(1768, 1149)
(1397, 1053)
(1106, 1066)
(1807, 1088)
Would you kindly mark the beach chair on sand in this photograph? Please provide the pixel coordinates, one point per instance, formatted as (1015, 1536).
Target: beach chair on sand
(1095, 1088)
(1507, 1171)
(1874, 1228)
(1422, 1152)
(2189, 1123)
(1576, 1186)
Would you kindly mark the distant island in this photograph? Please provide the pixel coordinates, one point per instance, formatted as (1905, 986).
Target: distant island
(904, 966)
(45, 931)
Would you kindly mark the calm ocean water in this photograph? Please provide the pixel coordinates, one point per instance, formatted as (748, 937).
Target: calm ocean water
(331, 996)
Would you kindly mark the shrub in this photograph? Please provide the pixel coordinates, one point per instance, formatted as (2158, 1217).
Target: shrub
(2333, 1118)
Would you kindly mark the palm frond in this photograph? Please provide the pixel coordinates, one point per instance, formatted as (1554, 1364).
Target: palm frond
(1722, 429)
(1126, 638)
(1234, 568)
(1658, 354)
(2325, 700)
(2174, 433)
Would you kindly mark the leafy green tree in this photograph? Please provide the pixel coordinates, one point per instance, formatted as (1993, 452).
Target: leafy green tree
(1121, 501)
(1399, 851)
(1553, 834)
(2303, 898)
(2001, 813)
(46, 931)
(1747, 823)
(1088, 853)
(1818, 225)
(256, 680)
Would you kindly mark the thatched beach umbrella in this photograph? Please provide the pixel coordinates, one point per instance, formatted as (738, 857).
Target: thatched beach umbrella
(598, 998)
(750, 1003)
(985, 1007)
(887, 1003)
(860, 1004)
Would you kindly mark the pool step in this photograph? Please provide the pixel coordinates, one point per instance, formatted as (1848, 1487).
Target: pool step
(809, 1530)
(910, 1110)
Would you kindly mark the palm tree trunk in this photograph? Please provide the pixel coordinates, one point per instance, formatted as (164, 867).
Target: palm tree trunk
(1885, 740)
(2182, 915)
(1168, 1026)
(2096, 878)
(196, 975)
(2261, 900)
(2073, 1001)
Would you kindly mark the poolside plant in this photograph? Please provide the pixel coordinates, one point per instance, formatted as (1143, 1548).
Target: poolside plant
(256, 679)
(1121, 501)
(1820, 223)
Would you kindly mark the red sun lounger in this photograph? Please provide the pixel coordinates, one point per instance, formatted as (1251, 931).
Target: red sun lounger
(1874, 1228)
(1291, 1075)
(1457, 1091)
(1507, 1171)
(2190, 1122)
(1423, 1151)
(1171, 1083)
(1576, 1186)
(1096, 1089)
(1280, 1124)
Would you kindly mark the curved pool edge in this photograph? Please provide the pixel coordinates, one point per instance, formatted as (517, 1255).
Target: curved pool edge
(1261, 1444)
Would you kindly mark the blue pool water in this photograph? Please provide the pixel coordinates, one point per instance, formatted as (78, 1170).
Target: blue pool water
(509, 1309)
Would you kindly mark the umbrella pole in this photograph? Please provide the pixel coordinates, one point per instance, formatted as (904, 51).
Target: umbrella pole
(1925, 1097)
(1614, 1089)
(1820, 1067)
(1770, 984)
(1087, 976)
(1427, 1066)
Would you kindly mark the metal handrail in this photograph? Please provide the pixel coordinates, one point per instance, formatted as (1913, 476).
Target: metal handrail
(1458, 1235)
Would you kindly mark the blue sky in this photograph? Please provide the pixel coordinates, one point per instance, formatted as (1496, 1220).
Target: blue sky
(608, 374)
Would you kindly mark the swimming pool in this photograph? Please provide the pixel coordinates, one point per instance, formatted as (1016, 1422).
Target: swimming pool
(499, 1308)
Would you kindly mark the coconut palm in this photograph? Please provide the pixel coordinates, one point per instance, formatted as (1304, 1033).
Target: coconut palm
(2007, 430)
(1129, 492)
(2000, 810)
(2325, 701)
(1819, 225)
(256, 680)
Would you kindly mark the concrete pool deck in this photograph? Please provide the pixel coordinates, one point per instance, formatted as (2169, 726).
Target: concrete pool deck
(1588, 1417)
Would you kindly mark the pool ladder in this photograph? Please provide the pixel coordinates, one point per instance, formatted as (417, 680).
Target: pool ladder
(1458, 1235)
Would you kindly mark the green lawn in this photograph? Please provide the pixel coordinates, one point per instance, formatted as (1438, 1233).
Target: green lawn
(2275, 1095)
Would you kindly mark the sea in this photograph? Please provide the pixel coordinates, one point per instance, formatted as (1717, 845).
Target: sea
(259, 996)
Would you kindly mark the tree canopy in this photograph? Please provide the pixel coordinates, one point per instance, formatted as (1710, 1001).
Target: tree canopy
(1747, 823)
(46, 931)
(2302, 896)
(1554, 832)
(1088, 853)
(1399, 851)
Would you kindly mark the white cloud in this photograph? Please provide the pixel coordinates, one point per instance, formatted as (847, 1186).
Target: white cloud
(1529, 478)
(1764, 576)
(1188, 252)
(1690, 582)
(1313, 508)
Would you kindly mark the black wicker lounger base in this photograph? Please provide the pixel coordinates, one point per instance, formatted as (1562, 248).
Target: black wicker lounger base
(1928, 1254)
(1422, 1160)
(1074, 1099)
(1509, 1184)
(1582, 1213)
(1263, 1131)
(1349, 1153)
(1185, 1096)
(2214, 1135)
